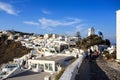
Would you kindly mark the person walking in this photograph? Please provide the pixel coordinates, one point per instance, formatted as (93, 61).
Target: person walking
(86, 56)
(90, 56)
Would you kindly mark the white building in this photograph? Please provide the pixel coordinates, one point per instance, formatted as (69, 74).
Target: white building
(10, 37)
(46, 36)
(47, 64)
(91, 31)
(118, 33)
(54, 36)
(111, 49)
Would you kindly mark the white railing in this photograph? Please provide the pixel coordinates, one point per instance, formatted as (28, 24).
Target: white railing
(71, 71)
(14, 72)
(9, 73)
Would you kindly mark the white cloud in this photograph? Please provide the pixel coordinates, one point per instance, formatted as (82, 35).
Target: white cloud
(80, 27)
(31, 23)
(50, 23)
(46, 11)
(7, 8)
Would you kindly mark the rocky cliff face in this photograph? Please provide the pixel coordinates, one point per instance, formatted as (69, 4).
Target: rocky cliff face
(9, 49)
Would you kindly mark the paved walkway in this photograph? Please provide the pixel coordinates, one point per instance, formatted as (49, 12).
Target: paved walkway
(97, 69)
(83, 73)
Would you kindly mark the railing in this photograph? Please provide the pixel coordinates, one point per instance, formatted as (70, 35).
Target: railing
(15, 71)
(71, 71)
(9, 73)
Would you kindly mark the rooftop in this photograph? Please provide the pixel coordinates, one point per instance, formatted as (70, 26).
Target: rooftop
(54, 58)
(30, 75)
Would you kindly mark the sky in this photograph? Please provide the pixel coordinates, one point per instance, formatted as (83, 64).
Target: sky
(60, 16)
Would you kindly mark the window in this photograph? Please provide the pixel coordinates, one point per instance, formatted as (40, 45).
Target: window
(34, 65)
(46, 66)
(50, 67)
(52, 51)
(41, 66)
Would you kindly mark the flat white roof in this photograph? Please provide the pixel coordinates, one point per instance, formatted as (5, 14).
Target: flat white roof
(54, 58)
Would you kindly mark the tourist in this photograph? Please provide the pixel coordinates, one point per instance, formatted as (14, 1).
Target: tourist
(96, 52)
(90, 56)
(86, 56)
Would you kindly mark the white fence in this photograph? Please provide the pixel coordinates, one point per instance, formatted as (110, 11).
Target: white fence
(71, 71)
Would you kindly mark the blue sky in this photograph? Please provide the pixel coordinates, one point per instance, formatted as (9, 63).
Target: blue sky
(60, 16)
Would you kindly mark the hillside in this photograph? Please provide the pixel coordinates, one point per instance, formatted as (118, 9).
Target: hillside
(10, 49)
(91, 41)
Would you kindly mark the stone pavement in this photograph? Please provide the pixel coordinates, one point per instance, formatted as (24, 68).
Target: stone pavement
(97, 69)
(83, 73)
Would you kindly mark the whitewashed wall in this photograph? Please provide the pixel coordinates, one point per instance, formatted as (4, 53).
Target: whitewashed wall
(71, 71)
(118, 33)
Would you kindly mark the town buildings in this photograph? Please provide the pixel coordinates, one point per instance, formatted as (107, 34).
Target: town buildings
(49, 53)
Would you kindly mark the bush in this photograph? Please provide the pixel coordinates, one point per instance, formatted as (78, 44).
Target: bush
(109, 56)
(57, 77)
(105, 52)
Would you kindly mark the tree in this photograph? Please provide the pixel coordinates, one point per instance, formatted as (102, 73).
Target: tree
(91, 41)
(78, 35)
(100, 34)
(107, 42)
(4, 37)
